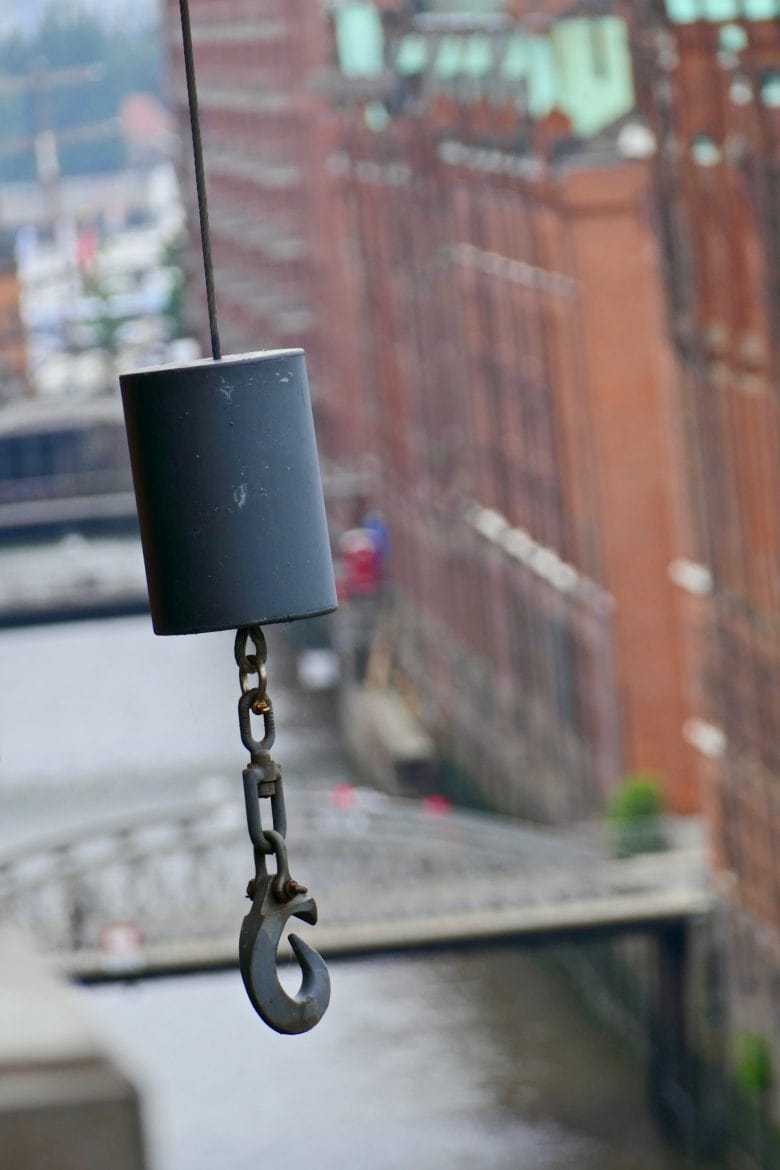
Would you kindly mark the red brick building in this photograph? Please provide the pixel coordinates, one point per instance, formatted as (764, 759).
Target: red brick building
(711, 88)
(265, 136)
(481, 308)
(553, 338)
(515, 393)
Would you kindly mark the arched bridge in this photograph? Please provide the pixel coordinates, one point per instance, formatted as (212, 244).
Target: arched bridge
(156, 895)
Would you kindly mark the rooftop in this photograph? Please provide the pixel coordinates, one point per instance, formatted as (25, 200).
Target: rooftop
(692, 11)
(578, 65)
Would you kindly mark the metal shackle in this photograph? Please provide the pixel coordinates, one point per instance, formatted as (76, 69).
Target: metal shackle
(228, 490)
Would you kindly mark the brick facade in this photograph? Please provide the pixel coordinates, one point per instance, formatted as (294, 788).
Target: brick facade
(559, 364)
(711, 89)
(516, 395)
(469, 262)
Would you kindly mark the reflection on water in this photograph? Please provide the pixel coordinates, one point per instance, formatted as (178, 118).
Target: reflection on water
(463, 1062)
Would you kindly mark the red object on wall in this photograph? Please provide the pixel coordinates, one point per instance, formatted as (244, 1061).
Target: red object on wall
(361, 558)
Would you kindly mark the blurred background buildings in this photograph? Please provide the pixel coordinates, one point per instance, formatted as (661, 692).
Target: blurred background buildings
(532, 251)
(711, 91)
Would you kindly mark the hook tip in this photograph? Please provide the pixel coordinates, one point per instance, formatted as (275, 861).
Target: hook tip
(285, 1013)
(315, 986)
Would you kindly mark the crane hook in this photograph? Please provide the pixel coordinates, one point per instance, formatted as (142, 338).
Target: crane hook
(275, 899)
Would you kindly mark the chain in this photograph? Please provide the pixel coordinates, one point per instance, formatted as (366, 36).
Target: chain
(263, 777)
(254, 699)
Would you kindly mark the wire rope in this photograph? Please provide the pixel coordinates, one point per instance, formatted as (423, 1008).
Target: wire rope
(200, 178)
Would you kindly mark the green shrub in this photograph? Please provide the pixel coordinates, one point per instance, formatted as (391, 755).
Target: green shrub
(634, 813)
(753, 1064)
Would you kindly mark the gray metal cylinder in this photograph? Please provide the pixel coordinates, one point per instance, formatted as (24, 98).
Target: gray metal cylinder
(228, 490)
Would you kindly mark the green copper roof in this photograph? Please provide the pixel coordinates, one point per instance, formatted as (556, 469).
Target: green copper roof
(541, 77)
(595, 83)
(359, 40)
(460, 6)
(477, 56)
(514, 64)
(412, 54)
(690, 11)
(761, 9)
(448, 58)
(581, 66)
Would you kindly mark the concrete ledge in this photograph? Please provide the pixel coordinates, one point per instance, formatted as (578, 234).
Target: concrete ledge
(64, 1105)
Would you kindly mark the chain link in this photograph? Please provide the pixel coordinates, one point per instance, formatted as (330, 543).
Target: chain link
(263, 777)
(252, 663)
(254, 697)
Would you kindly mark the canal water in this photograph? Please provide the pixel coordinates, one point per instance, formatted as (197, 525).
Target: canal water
(470, 1061)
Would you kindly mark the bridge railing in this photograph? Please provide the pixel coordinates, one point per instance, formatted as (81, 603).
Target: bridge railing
(367, 857)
